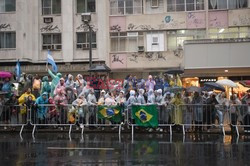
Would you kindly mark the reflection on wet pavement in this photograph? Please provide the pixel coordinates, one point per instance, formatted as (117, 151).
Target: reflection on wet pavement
(106, 149)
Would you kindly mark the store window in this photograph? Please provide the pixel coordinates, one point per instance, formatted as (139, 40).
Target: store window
(227, 4)
(7, 6)
(175, 39)
(51, 7)
(155, 41)
(83, 40)
(235, 32)
(126, 41)
(125, 7)
(184, 5)
(7, 40)
(52, 41)
(86, 6)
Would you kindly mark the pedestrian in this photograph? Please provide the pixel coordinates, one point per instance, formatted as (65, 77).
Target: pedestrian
(150, 83)
(151, 97)
(79, 84)
(187, 112)
(197, 103)
(91, 99)
(61, 103)
(140, 99)
(55, 81)
(70, 83)
(36, 86)
(46, 87)
(12, 110)
(178, 101)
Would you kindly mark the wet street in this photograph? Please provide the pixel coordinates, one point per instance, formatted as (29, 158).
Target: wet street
(107, 149)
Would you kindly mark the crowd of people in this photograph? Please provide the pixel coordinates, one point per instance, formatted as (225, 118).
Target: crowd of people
(85, 94)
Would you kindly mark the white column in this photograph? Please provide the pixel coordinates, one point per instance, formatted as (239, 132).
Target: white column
(67, 12)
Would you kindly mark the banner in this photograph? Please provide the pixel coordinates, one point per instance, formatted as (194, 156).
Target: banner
(112, 113)
(146, 115)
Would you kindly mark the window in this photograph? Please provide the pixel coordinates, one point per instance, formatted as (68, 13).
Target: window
(227, 4)
(154, 6)
(184, 5)
(85, 6)
(126, 42)
(155, 41)
(7, 40)
(7, 6)
(124, 7)
(51, 7)
(223, 33)
(83, 40)
(52, 41)
(176, 38)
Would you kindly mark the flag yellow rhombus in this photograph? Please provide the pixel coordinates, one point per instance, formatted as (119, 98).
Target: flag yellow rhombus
(104, 112)
(149, 116)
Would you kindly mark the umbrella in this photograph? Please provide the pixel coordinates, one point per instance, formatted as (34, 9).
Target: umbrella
(100, 68)
(214, 86)
(5, 74)
(174, 89)
(193, 89)
(174, 71)
(245, 83)
(227, 82)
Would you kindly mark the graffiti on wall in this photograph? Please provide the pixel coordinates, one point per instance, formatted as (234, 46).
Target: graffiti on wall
(50, 28)
(196, 20)
(116, 58)
(148, 56)
(115, 28)
(132, 26)
(218, 19)
(239, 17)
(5, 27)
(85, 28)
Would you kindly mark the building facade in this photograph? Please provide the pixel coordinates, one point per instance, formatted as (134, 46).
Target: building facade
(131, 36)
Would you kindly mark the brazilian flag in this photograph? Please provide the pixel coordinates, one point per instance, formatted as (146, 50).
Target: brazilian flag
(146, 115)
(112, 113)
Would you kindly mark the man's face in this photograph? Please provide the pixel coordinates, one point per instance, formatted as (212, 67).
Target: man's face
(29, 90)
(44, 97)
(61, 82)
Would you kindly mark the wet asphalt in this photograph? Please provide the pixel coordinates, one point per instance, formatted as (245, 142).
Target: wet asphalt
(54, 149)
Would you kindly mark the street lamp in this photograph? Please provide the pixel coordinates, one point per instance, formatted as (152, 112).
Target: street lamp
(86, 18)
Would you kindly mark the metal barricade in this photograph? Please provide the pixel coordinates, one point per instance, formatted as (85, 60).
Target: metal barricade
(88, 117)
(198, 117)
(13, 116)
(52, 115)
(166, 117)
(239, 117)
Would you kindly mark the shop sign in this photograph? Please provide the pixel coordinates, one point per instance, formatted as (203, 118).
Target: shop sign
(207, 79)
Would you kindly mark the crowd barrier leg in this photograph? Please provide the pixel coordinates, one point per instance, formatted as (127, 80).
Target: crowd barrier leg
(223, 130)
(20, 133)
(70, 129)
(132, 132)
(170, 130)
(33, 131)
(82, 129)
(237, 130)
(183, 129)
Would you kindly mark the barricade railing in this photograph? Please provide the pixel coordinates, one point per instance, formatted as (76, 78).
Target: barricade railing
(100, 116)
(200, 117)
(52, 115)
(239, 117)
(166, 117)
(13, 116)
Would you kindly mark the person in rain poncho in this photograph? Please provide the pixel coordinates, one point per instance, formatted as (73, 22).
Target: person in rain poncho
(46, 87)
(151, 97)
(41, 109)
(168, 109)
(7, 87)
(22, 99)
(70, 94)
(198, 110)
(55, 81)
(159, 97)
(234, 104)
(177, 101)
(131, 100)
(70, 82)
(101, 99)
(79, 84)
(81, 105)
(121, 100)
(61, 102)
(36, 86)
(91, 99)
(61, 85)
(187, 111)
(222, 106)
(86, 90)
(140, 98)
(109, 99)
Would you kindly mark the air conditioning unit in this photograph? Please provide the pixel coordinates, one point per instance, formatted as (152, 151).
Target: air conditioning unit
(132, 34)
(86, 17)
(140, 48)
(48, 20)
(154, 3)
(155, 40)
